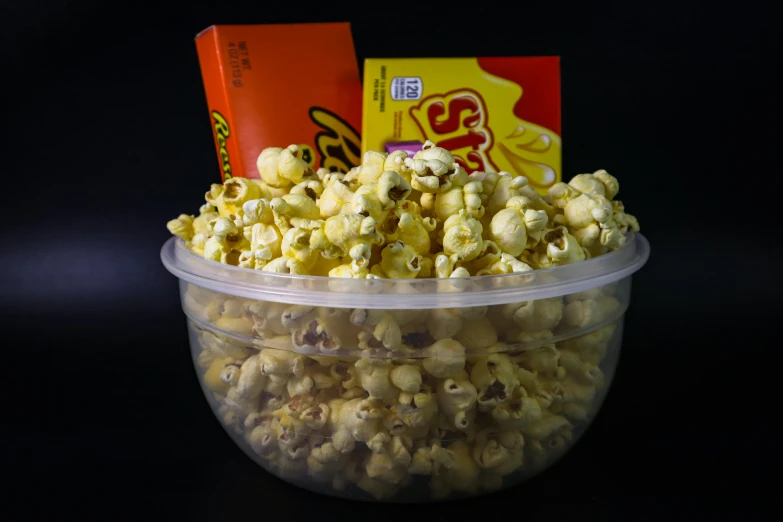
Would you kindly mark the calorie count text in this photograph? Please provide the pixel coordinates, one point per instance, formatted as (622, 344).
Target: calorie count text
(238, 60)
(406, 88)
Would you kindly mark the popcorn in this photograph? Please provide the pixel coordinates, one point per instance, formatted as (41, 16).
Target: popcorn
(457, 400)
(371, 168)
(312, 188)
(531, 316)
(354, 235)
(366, 397)
(460, 197)
(495, 380)
(375, 375)
(463, 474)
(250, 380)
(182, 227)
(410, 199)
(398, 261)
(462, 235)
(291, 209)
(498, 188)
(410, 227)
(281, 168)
(433, 169)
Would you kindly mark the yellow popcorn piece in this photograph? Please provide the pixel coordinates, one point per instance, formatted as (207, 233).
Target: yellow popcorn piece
(477, 333)
(224, 230)
(398, 261)
(444, 358)
(430, 152)
(498, 188)
(384, 329)
(312, 188)
(377, 199)
(296, 246)
(375, 377)
(396, 161)
(561, 194)
(212, 377)
(544, 360)
(538, 315)
(372, 167)
(447, 266)
(250, 380)
(215, 250)
(535, 219)
(610, 183)
(521, 411)
(285, 265)
(338, 192)
(462, 235)
(266, 236)
(392, 189)
(349, 271)
(587, 210)
(624, 221)
(255, 259)
(457, 400)
(588, 312)
(562, 248)
(201, 223)
(461, 197)
(324, 266)
(280, 168)
(427, 176)
(409, 227)
(495, 380)
(354, 235)
(257, 211)
(182, 227)
(489, 453)
(463, 475)
(507, 229)
(490, 254)
(506, 264)
(426, 265)
(237, 191)
(407, 378)
(214, 197)
(599, 182)
(292, 207)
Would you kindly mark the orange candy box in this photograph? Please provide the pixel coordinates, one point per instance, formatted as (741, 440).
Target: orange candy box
(274, 85)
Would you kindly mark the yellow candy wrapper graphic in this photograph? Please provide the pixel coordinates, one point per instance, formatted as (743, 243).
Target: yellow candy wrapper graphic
(493, 114)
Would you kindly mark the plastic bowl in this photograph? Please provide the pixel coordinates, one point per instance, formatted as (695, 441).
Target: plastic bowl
(406, 390)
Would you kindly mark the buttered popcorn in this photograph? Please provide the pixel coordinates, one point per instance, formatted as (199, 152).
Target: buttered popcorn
(424, 206)
(469, 398)
(466, 399)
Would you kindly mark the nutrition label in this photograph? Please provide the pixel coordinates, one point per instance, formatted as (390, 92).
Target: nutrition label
(406, 88)
(238, 61)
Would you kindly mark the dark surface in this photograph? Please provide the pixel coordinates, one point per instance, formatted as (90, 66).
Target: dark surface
(107, 137)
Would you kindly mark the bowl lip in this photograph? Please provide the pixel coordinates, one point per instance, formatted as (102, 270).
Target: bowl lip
(405, 293)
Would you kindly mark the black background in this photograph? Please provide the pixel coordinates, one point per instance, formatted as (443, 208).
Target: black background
(106, 137)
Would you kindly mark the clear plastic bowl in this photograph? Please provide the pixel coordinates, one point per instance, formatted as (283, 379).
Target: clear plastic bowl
(406, 390)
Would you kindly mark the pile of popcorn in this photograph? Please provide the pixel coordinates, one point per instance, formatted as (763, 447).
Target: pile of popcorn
(402, 217)
(372, 398)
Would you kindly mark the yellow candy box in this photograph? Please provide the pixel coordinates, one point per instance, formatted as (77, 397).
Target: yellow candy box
(493, 114)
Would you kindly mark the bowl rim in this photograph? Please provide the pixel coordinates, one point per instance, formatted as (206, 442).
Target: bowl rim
(405, 293)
